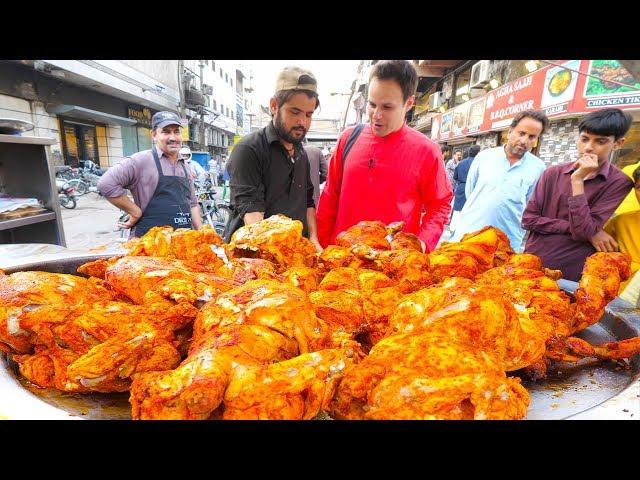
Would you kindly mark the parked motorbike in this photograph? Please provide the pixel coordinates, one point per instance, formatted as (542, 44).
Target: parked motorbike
(213, 213)
(66, 194)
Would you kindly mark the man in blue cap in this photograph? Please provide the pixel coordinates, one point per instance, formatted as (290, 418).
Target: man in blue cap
(161, 186)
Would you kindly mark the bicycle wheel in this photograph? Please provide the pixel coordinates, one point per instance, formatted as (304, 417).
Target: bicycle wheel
(223, 213)
(67, 202)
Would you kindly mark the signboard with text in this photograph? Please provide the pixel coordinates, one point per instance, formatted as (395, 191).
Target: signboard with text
(564, 89)
(141, 114)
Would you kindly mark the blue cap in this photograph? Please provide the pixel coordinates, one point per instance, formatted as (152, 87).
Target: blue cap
(162, 119)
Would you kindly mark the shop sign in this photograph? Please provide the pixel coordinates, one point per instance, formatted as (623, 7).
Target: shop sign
(445, 125)
(476, 115)
(557, 90)
(506, 102)
(184, 129)
(459, 122)
(140, 114)
(600, 91)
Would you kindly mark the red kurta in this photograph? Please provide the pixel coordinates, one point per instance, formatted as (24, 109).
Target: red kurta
(389, 179)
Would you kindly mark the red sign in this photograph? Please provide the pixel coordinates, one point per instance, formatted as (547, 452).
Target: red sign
(563, 89)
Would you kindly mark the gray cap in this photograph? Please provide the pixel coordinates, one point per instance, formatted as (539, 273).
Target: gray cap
(162, 119)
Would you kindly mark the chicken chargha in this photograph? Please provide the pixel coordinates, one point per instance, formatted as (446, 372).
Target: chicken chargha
(66, 332)
(277, 239)
(282, 333)
(260, 323)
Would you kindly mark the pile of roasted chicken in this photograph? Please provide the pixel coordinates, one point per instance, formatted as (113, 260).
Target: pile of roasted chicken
(371, 328)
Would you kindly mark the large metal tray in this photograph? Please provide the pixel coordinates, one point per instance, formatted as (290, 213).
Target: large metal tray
(570, 391)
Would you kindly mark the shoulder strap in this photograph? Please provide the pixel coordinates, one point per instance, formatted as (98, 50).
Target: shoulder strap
(347, 147)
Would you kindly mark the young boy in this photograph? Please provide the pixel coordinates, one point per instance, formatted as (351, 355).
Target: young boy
(625, 229)
(572, 202)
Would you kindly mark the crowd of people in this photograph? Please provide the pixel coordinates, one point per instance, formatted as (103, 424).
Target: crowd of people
(385, 170)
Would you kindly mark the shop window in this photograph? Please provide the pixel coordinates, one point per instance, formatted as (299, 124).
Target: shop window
(101, 133)
(144, 138)
(135, 139)
(79, 143)
(630, 151)
(129, 140)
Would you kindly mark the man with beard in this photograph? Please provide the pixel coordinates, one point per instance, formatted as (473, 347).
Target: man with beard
(502, 179)
(269, 169)
(160, 183)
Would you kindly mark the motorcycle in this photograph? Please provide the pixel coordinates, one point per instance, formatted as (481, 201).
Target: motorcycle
(213, 212)
(66, 195)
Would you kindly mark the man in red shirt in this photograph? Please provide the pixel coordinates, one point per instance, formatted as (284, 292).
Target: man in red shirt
(392, 172)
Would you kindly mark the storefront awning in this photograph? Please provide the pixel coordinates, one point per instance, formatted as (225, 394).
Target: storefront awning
(75, 111)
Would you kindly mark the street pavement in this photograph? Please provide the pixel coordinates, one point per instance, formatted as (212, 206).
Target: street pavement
(92, 224)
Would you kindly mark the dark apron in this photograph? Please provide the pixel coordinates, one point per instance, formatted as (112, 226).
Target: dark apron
(170, 203)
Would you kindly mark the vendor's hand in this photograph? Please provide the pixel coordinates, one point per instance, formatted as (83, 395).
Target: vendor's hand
(133, 219)
(316, 244)
(603, 242)
(585, 167)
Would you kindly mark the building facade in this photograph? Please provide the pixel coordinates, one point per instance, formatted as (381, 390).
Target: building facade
(101, 110)
(220, 115)
(97, 110)
(480, 109)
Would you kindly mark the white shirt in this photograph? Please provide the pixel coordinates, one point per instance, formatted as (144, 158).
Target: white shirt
(497, 194)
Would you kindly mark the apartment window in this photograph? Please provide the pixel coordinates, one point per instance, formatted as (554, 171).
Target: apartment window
(227, 111)
(221, 73)
(215, 107)
(232, 115)
(226, 78)
(206, 62)
(213, 65)
(222, 109)
(231, 81)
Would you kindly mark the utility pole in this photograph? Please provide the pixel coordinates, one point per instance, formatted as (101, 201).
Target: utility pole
(181, 87)
(201, 65)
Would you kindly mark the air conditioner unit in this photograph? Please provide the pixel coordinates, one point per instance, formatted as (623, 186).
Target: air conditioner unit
(207, 89)
(435, 100)
(480, 74)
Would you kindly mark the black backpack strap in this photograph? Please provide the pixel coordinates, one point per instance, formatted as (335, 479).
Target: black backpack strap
(350, 142)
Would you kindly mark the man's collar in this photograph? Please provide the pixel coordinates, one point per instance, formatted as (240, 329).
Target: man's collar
(520, 160)
(603, 170)
(270, 132)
